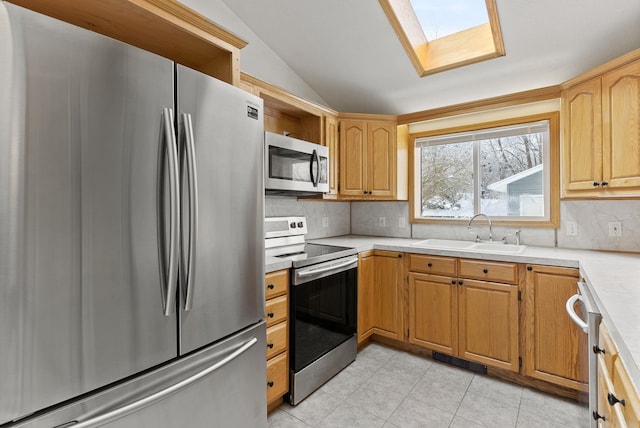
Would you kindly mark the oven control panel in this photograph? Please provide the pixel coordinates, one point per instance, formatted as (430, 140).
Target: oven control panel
(275, 227)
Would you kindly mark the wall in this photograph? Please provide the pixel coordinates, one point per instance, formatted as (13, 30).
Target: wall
(256, 59)
(591, 217)
(338, 214)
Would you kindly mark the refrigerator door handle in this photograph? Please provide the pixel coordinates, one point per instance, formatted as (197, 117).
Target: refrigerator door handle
(189, 264)
(157, 396)
(170, 273)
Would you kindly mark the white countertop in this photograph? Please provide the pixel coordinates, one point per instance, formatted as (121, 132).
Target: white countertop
(613, 278)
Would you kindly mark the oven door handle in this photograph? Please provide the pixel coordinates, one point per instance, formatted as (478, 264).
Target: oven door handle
(572, 312)
(326, 269)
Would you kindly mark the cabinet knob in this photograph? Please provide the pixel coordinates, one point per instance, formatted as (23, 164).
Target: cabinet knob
(429, 264)
(270, 384)
(529, 268)
(460, 282)
(270, 345)
(485, 270)
(598, 350)
(596, 184)
(612, 399)
(604, 183)
(453, 282)
(597, 416)
(270, 314)
(271, 286)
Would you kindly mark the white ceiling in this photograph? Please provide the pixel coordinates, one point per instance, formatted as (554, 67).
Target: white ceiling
(348, 53)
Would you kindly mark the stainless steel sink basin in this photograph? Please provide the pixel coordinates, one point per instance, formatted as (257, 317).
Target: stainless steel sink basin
(483, 247)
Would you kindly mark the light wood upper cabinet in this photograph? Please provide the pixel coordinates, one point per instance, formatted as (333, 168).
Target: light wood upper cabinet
(388, 295)
(601, 120)
(555, 347)
(621, 127)
(366, 277)
(368, 159)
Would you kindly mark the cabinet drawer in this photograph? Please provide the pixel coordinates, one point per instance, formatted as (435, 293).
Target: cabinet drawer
(610, 350)
(277, 379)
(624, 390)
(277, 283)
(432, 264)
(276, 339)
(489, 271)
(276, 309)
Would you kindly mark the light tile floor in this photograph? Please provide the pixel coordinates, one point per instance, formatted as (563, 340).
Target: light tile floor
(389, 388)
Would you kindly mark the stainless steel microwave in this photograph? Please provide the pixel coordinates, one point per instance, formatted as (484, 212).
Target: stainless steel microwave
(294, 166)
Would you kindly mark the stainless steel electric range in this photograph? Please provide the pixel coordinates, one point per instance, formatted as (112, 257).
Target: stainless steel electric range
(322, 308)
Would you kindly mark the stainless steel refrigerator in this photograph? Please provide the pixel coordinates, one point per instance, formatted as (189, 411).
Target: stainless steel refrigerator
(131, 236)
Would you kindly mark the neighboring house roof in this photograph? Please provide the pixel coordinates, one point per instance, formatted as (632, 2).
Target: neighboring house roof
(501, 186)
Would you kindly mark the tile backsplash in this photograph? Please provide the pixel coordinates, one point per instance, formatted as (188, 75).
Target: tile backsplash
(392, 219)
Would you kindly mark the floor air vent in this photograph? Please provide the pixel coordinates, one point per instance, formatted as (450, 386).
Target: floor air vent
(459, 362)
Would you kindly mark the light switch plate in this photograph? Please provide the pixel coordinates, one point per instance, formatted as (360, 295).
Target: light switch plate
(572, 228)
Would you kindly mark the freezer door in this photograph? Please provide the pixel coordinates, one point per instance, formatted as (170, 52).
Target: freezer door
(219, 386)
(80, 274)
(222, 275)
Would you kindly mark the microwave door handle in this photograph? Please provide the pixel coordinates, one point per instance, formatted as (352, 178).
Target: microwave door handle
(316, 161)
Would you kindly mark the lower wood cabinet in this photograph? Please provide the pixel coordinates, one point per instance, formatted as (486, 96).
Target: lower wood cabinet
(471, 319)
(388, 294)
(366, 276)
(277, 351)
(556, 349)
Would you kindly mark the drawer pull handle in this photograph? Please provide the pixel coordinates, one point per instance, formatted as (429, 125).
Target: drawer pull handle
(270, 314)
(270, 384)
(429, 264)
(270, 345)
(598, 350)
(271, 286)
(485, 270)
(597, 416)
(612, 399)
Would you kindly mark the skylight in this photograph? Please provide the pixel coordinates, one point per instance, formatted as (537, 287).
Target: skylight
(439, 18)
(440, 35)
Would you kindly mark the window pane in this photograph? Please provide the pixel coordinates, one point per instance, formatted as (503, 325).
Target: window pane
(447, 180)
(511, 175)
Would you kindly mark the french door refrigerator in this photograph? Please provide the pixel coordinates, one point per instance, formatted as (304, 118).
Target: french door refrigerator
(131, 236)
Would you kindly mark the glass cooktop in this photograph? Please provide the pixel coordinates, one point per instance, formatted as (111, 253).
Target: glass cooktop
(317, 253)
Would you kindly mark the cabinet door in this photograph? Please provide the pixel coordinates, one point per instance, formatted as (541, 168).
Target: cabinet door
(353, 162)
(388, 294)
(621, 127)
(381, 159)
(582, 156)
(366, 286)
(488, 323)
(555, 346)
(433, 312)
(331, 141)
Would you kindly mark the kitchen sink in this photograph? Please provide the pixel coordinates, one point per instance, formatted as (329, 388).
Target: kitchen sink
(450, 244)
(498, 247)
(484, 247)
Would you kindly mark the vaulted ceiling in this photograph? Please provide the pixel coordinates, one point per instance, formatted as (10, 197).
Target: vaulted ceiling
(348, 53)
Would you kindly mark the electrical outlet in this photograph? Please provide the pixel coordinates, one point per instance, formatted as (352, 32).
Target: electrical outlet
(572, 228)
(402, 222)
(325, 221)
(382, 221)
(615, 228)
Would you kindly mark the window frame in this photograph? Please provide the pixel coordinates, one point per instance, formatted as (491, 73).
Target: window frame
(465, 47)
(553, 171)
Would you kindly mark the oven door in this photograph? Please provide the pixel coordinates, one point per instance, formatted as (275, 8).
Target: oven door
(293, 165)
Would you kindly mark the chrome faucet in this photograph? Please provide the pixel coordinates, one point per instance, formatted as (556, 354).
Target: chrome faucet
(490, 226)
